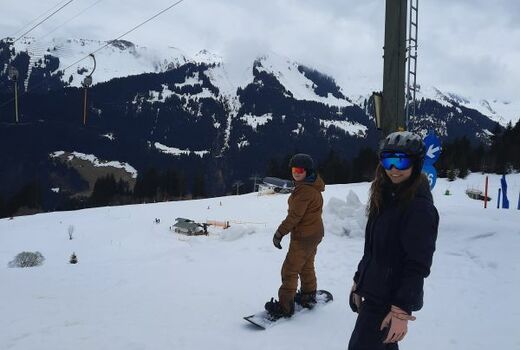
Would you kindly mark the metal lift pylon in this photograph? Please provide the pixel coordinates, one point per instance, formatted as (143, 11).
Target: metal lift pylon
(411, 50)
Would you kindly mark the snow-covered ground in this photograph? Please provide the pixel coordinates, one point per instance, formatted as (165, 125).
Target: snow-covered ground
(137, 285)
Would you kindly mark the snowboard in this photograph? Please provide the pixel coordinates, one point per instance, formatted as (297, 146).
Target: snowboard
(264, 320)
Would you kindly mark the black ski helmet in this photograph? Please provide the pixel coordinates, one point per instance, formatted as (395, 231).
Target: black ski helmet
(405, 142)
(302, 160)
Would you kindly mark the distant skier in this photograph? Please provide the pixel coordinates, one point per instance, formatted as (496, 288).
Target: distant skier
(305, 224)
(399, 244)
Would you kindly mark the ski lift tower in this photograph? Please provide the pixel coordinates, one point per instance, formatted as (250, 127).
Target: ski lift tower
(14, 75)
(393, 106)
(411, 58)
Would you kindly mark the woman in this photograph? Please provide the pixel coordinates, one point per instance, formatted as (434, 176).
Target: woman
(306, 226)
(399, 243)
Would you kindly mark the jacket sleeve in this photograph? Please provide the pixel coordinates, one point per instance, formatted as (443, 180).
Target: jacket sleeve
(297, 209)
(356, 277)
(418, 239)
(366, 248)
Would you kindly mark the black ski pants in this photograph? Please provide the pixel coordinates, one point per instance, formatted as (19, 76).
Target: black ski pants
(366, 334)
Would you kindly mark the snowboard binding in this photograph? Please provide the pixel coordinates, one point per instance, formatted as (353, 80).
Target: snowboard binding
(275, 309)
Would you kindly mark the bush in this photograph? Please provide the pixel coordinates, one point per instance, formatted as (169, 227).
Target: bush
(452, 174)
(27, 259)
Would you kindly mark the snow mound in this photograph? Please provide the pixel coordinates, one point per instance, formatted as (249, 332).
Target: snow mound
(236, 232)
(345, 218)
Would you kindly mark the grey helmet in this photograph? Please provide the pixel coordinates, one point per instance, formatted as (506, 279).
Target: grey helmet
(405, 142)
(302, 160)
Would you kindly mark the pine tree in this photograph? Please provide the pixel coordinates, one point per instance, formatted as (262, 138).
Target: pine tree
(451, 174)
(334, 170)
(147, 185)
(2, 208)
(169, 184)
(105, 188)
(199, 187)
(364, 165)
(463, 172)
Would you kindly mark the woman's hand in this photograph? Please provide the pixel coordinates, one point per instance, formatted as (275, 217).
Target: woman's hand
(397, 320)
(354, 299)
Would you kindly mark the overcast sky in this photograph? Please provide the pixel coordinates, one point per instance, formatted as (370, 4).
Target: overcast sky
(471, 47)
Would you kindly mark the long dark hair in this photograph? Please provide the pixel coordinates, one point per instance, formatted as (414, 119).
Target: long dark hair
(406, 193)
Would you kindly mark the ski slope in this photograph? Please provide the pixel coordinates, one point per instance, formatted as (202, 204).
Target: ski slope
(139, 286)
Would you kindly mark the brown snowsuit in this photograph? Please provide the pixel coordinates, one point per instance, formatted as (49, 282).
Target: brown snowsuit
(306, 226)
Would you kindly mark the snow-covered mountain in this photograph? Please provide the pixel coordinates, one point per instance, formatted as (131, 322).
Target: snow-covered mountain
(137, 285)
(116, 59)
(122, 58)
(164, 108)
(500, 111)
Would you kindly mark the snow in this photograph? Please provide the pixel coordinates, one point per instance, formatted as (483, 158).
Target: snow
(171, 150)
(497, 110)
(109, 136)
(97, 162)
(177, 151)
(255, 120)
(287, 73)
(201, 153)
(160, 96)
(299, 129)
(501, 111)
(242, 144)
(123, 59)
(137, 285)
(190, 81)
(354, 129)
(112, 61)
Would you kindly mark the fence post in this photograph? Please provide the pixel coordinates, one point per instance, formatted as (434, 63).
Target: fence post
(486, 193)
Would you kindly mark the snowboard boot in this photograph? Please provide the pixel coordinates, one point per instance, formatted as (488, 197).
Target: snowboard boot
(306, 300)
(276, 310)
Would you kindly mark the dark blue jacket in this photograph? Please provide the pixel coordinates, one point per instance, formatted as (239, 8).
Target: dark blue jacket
(399, 246)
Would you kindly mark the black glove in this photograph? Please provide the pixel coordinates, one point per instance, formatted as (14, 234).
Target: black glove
(351, 303)
(277, 239)
(354, 300)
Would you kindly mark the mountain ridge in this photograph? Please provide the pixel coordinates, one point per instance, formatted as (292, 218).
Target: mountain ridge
(124, 58)
(190, 114)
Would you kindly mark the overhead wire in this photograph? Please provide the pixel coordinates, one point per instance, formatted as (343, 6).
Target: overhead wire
(71, 19)
(37, 18)
(43, 20)
(105, 45)
(126, 33)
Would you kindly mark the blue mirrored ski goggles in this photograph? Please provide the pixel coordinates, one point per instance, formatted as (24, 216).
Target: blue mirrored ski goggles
(401, 161)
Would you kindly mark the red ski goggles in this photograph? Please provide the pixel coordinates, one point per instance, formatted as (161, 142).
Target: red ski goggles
(298, 170)
(401, 161)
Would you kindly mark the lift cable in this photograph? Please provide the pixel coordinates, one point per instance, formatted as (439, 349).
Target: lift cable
(71, 19)
(126, 33)
(37, 18)
(43, 20)
(107, 44)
